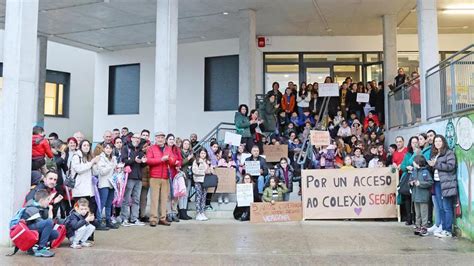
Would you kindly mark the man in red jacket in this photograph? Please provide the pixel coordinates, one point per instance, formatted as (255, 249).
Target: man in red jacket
(159, 158)
(40, 149)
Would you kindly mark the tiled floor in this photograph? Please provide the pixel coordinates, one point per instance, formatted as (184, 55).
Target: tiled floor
(227, 242)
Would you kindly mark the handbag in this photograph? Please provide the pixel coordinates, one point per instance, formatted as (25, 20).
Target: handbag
(404, 186)
(458, 210)
(210, 180)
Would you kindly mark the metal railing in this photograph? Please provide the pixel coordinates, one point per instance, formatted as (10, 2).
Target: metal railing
(217, 133)
(404, 104)
(450, 85)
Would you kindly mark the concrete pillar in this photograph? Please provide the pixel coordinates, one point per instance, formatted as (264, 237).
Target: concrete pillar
(166, 66)
(17, 104)
(247, 63)
(389, 58)
(427, 19)
(42, 57)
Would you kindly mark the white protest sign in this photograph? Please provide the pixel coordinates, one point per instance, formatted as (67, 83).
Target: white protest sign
(244, 157)
(363, 97)
(252, 168)
(244, 194)
(232, 138)
(328, 89)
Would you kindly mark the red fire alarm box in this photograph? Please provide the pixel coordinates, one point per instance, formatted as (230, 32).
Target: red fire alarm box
(261, 42)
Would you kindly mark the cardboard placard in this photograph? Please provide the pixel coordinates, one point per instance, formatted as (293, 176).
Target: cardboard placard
(232, 138)
(244, 193)
(252, 168)
(283, 211)
(328, 90)
(363, 97)
(274, 153)
(226, 180)
(320, 138)
(349, 193)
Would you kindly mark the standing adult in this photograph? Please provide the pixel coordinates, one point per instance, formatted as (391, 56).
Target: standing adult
(193, 138)
(269, 114)
(175, 152)
(400, 96)
(379, 102)
(99, 148)
(303, 98)
(276, 92)
(444, 164)
(415, 98)
(159, 159)
(242, 126)
(407, 168)
(79, 136)
(145, 144)
(186, 167)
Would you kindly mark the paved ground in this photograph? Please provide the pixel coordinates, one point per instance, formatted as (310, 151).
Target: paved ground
(225, 242)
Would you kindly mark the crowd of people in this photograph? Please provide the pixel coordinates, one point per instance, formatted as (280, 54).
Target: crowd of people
(107, 187)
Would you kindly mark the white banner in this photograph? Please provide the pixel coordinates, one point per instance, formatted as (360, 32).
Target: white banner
(328, 89)
(244, 195)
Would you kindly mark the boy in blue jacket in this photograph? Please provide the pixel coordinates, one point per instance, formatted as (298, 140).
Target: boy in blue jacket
(38, 216)
(78, 225)
(421, 182)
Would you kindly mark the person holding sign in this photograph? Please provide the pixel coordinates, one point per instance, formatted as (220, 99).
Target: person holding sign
(275, 191)
(242, 213)
(285, 172)
(259, 179)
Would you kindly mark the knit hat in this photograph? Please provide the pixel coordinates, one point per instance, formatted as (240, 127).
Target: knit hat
(36, 177)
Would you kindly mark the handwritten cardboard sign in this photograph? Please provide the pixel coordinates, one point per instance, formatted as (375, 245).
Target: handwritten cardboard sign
(363, 97)
(349, 193)
(244, 195)
(252, 168)
(285, 211)
(320, 138)
(226, 180)
(274, 153)
(328, 89)
(232, 138)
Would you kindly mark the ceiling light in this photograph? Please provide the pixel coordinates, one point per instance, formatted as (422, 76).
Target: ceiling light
(465, 27)
(286, 76)
(462, 6)
(329, 30)
(458, 11)
(148, 43)
(225, 13)
(101, 48)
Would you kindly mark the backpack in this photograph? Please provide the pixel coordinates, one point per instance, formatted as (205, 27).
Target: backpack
(22, 237)
(17, 217)
(179, 186)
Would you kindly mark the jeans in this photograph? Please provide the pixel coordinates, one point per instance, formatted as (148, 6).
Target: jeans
(438, 204)
(106, 198)
(200, 197)
(286, 196)
(46, 232)
(261, 181)
(448, 203)
(132, 190)
(82, 234)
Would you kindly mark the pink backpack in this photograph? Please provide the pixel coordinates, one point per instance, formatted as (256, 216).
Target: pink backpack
(179, 185)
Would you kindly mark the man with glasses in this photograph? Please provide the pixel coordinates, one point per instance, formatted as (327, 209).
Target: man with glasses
(135, 158)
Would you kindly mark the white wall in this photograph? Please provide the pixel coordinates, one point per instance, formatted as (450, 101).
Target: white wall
(80, 64)
(190, 95)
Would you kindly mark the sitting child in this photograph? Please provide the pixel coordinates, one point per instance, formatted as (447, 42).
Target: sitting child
(38, 216)
(347, 163)
(358, 159)
(78, 225)
(275, 191)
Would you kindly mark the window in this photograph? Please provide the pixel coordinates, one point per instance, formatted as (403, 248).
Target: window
(221, 83)
(332, 58)
(124, 89)
(56, 92)
(281, 74)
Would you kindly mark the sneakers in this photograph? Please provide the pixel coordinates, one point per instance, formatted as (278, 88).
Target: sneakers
(424, 231)
(204, 217)
(112, 226)
(435, 229)
(417, 231)
(443, 234)
(137, 223)
(76, 245)
(87, 244)
(101, 227)
(126, 224)
(209, 208)
(201, 217)
(219, 200)
(44, 252)
(226, 200)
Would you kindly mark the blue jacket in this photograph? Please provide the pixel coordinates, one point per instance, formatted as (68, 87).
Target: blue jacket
(421, 193)
(302, 120)
(73, 222)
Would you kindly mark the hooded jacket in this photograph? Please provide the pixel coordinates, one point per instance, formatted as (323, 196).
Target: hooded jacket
(106, 169)
(40, 147)
(446, 166)
(158, 167)
(242, 125)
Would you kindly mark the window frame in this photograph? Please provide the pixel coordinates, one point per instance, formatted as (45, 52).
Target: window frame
(66, 85)
(109, 113)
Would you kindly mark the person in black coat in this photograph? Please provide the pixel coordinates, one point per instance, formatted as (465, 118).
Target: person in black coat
(242, 213)
(379, 102)
(78, 224)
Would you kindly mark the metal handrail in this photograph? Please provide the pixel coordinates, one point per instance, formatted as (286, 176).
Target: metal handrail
(402, 86)
(213, 133)
(447, 60)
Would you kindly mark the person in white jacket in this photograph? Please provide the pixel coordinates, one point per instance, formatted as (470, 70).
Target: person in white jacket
(303, 98)
(106, 167)
(83, 167)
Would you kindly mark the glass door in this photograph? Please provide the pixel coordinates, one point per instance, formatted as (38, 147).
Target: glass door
(317, 74)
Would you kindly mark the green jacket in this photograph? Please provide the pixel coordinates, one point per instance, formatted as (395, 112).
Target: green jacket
(427, 152)
(268, 193)
(421, 193)
(269, 116)
(242, 125)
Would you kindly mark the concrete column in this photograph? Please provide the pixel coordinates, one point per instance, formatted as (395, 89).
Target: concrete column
(42, 57)
(166, 65)
(247, 63)
(389, 58)
(17, 107)
(427, 19)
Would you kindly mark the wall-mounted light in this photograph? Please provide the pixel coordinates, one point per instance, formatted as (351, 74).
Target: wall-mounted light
(465, 9)
(225, 13)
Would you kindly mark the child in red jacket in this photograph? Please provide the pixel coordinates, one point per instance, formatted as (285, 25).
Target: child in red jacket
(40, 149)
